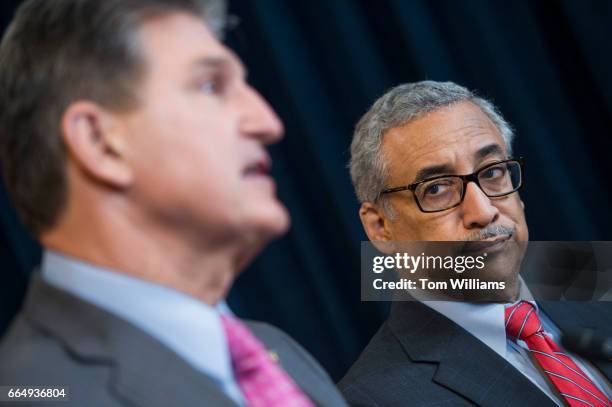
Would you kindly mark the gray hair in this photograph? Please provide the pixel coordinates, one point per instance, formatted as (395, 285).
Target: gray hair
(398, 106)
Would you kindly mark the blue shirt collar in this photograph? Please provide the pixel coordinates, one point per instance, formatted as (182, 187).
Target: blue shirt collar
(189, 327)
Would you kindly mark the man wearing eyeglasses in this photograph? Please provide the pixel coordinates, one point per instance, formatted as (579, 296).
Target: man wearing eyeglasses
(432, 161)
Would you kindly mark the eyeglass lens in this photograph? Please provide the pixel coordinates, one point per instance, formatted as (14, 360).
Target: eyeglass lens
(442, 193)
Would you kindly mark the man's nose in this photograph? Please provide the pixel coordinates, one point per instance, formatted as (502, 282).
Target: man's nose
(258, 119)
(477, 209)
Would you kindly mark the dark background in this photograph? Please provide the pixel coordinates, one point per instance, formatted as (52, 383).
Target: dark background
(321, 63)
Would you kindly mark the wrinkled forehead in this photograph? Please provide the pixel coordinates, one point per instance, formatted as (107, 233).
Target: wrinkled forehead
(457, 138)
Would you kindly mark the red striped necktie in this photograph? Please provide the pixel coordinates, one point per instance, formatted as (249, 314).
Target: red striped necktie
(574, 385)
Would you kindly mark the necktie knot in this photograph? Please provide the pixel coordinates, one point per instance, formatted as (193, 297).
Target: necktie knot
(522, 321)
(246, 351)
(576, 388)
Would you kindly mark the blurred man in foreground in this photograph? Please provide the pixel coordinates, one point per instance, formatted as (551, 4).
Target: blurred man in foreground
(432, 162)
(133, 148)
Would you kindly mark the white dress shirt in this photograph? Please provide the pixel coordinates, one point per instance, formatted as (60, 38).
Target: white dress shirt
(185, 325)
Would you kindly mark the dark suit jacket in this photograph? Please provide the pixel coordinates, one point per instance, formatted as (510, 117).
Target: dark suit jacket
(421, 358)
(61, 340)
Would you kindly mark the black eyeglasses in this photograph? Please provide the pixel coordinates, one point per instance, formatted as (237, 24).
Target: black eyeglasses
(444, 192)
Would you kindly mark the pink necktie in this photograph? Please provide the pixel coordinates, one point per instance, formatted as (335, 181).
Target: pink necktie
(262, 381)
(574, 385)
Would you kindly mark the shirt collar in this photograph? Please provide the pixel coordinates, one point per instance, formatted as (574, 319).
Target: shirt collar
(485, 321)
(189, 327)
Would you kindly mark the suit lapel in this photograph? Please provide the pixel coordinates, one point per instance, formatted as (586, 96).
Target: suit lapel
(570, 316)
(293, 360)
(466, 365)
(305, 382)
(149, 374)
(143, 371)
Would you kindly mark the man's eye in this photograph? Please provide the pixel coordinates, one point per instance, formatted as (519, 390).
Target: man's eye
(435, 189)
(494, 172)
(210, 87)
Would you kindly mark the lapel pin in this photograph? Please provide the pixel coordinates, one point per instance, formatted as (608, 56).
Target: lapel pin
(274, 356)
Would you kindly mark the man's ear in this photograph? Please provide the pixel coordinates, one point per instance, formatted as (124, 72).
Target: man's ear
(95, 142)
(375, 222)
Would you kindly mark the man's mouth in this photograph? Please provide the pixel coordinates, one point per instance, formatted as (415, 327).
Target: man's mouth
(258, 168)
(491, 244)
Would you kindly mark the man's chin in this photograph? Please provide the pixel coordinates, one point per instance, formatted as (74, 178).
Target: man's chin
(258, 231)
(281, 223)
(273, 221)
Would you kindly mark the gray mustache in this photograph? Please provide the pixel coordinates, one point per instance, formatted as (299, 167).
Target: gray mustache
(491, 231)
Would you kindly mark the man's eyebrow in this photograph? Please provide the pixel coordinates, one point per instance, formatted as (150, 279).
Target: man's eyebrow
(491, 149)
(447, 169)
(432, 171)
(221, 62)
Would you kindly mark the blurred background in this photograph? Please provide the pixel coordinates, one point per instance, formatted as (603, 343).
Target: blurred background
(322, 63)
